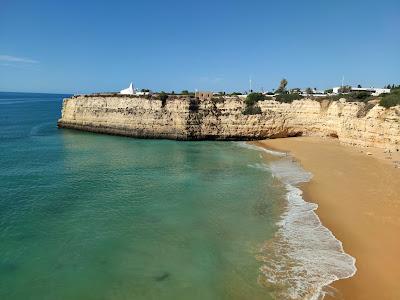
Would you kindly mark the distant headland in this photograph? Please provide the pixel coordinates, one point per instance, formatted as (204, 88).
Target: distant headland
(356, 116)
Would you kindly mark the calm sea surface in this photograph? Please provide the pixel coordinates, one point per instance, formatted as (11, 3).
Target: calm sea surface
(86, 216)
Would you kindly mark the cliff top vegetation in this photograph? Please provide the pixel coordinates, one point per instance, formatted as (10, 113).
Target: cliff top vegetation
(392, 99)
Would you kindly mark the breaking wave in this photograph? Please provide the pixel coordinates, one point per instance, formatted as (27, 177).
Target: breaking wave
(257, 148)
(304, 257)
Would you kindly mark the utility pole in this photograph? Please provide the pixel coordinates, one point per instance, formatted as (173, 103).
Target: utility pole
(250, 84)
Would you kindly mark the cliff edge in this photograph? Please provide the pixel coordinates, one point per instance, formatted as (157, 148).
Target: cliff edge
(185, 118)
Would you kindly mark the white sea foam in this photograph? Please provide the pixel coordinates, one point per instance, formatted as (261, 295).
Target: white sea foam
(257, 148)
(304, 257)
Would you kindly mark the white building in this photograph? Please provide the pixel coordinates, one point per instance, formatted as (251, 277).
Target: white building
(132, 91)
(335, 90)
(314, 93)
(372, 90)
(129, 91)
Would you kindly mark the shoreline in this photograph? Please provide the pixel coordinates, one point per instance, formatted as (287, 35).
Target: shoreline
(304, 257)
(358, 198)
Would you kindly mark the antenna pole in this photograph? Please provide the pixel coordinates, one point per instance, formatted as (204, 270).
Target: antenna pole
(250, 83)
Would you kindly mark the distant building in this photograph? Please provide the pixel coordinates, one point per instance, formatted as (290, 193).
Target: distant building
(372, 90)
(295, 91)
(204, 95)
(141, 93)
(129, 91)
(313, 92)
(335, 90)
(132, 91)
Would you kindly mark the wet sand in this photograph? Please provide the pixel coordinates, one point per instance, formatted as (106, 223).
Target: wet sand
(359, 201)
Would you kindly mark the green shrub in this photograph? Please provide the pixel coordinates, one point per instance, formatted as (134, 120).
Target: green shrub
(252, 110)
(390, 100)
(219, 99)
(282, 86)
(185, 92)
(288, 98)
(328, 91)
(359, 97)
(335, 97)
(163, 97)
(309, 91)
(345, 89)
(253, 98)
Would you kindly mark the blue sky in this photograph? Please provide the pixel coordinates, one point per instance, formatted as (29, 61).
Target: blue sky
(92, 46)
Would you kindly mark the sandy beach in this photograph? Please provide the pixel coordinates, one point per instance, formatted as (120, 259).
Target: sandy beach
(359, 201)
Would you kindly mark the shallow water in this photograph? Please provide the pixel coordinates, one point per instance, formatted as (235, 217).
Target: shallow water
(86, 216)
(304, 257)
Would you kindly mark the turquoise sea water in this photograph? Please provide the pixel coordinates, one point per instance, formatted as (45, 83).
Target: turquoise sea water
(87, 216)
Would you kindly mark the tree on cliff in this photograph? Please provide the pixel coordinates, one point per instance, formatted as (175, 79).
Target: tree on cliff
(163, 97)
(390, 100)
(288, 98)
(282, 86)
(252, 110)
(253, 98)
(345, 89)
(309, 91)
(251, 104)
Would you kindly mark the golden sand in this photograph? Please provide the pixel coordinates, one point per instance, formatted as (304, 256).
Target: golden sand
(359, 201)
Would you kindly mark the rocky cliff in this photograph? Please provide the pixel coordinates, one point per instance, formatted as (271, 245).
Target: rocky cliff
(185, 118)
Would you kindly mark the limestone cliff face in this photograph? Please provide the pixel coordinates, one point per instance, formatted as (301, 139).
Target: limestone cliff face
(222, 119)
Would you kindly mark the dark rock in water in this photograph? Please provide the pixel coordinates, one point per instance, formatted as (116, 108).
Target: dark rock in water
(162, 276)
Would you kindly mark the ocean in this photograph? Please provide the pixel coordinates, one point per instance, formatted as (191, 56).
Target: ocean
(90, 216)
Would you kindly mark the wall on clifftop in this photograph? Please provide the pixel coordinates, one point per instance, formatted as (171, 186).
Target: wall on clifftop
(222, 119)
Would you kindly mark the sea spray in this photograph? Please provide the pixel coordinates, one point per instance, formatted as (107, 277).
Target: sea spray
(304, 257)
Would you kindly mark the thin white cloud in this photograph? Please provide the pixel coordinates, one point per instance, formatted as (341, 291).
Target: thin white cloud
(10, 58)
